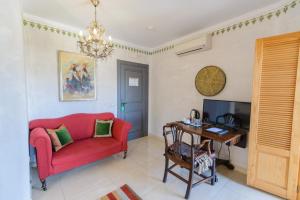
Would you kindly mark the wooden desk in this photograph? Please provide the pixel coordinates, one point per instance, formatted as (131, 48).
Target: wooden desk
(230, 138)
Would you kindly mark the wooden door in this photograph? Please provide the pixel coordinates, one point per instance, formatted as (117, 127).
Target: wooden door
(274, 140)
(133, 97)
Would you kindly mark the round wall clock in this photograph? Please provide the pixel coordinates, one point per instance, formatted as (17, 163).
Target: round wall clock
(210, 81)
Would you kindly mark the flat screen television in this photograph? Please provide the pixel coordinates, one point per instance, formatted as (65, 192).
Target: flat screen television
(213, 110)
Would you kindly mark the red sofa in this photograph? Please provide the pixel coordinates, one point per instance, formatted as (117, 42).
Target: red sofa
(84, 150)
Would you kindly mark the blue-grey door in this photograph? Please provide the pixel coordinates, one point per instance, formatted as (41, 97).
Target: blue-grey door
(133, 97)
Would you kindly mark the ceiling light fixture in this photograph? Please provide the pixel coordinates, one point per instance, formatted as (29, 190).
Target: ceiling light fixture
(93, 43)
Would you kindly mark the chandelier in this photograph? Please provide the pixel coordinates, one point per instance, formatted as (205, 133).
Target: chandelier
(94, 43)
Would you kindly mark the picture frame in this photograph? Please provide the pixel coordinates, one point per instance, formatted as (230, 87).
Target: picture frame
(77, 77)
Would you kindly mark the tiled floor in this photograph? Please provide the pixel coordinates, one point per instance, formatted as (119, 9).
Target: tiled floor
(142, 171)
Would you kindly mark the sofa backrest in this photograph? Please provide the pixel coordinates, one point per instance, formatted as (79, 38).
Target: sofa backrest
(80, 126)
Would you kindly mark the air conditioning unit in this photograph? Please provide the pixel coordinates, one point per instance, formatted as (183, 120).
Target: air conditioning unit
(201, 44)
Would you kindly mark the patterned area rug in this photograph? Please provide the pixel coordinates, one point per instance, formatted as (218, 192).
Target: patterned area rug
(123, 193)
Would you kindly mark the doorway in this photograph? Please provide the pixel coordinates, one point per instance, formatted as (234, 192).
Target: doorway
(133, 96)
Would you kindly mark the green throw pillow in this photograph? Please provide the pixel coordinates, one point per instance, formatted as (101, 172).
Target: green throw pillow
(60, 137)
(103, 128)
(63, 136)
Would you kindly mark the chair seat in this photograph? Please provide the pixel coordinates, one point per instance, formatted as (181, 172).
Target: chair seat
(186, 151)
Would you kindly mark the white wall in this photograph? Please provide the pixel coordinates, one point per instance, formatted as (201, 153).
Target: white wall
(42, 76)
(14, 167)
(172, 90)
(172, 78)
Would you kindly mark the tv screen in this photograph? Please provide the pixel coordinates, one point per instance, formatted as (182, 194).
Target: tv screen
(215, 112)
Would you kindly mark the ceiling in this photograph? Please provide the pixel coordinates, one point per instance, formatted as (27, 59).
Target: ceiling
(128, 19)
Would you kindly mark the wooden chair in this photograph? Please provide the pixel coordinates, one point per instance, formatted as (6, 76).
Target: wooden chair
(185, 155)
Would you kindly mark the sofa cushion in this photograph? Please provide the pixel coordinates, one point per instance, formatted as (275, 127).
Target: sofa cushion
(85, 149)
(60, 137)
(103, 128)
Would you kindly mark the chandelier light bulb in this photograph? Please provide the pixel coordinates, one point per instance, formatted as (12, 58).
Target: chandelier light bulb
(95, 31)
(94, 43)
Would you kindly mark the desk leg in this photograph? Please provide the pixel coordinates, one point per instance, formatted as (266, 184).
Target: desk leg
(219, 161)
(226, 163)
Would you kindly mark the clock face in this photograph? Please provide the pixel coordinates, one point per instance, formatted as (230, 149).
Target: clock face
(210, 81)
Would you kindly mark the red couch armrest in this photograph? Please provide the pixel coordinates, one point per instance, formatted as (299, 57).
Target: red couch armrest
(41, 141)
(120, 131)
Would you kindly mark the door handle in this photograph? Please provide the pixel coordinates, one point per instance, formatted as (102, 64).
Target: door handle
(123, 106)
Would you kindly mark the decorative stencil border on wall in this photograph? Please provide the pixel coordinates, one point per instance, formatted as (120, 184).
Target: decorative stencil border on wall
(252, 21)
(267, 16)
(44, 27)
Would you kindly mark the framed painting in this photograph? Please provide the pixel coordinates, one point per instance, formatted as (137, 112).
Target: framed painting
(77, 77)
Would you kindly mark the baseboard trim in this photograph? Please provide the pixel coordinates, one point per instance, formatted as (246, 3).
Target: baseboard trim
(156, 136)
(240, 169)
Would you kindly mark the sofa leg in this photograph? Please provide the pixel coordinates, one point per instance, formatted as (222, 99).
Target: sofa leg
(44, 185)
(125, 155)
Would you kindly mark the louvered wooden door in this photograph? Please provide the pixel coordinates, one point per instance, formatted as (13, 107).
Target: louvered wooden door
(274, 140)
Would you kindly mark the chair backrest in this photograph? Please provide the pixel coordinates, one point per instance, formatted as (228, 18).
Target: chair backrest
(229, 120)
(176, 141)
